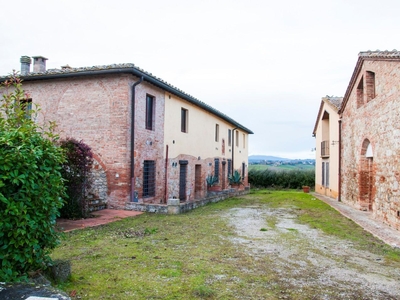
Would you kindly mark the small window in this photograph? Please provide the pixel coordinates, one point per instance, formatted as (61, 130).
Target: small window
(237, 138)
(149, 178)
(360, 93)
(26, 105)
(229, 167)
(370, 83)
(244, 141)
(229, 137)
(184, 120)
(150, 112)
(216, 132)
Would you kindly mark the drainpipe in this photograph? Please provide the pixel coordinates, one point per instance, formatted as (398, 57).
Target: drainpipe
(340, 161)
(166, 175)
(233, 147)
(133, 139)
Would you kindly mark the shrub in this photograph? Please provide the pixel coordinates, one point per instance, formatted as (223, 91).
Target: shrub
(31, 186)
(291, 179)
(76, 171)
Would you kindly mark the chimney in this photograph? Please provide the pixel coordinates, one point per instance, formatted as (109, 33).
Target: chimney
(25, 64)
(39, 64)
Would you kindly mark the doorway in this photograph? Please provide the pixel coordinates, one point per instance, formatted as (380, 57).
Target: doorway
(197, 182)
(365, 183)
(182, 179)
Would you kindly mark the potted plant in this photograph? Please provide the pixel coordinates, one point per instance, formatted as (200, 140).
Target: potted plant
(235, 179)
(212, 183)
(306, 188)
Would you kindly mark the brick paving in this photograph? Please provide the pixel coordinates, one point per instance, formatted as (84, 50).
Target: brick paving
(364, 219)
(102, 217)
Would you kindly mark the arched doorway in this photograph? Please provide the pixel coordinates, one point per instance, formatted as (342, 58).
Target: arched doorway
(365, 184)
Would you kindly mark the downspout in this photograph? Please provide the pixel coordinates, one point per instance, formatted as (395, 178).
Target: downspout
(340, 161)
(233, 147)
(166, 175)
(133, 139)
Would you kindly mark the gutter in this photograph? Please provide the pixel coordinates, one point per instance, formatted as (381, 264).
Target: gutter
(233, 148)
(133, 139)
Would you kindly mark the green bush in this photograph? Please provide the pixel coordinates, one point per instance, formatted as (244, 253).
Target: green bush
(291, 179)
(31, 186)
(76, 172)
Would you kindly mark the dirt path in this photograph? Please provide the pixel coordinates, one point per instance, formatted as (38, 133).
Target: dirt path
(309, 263)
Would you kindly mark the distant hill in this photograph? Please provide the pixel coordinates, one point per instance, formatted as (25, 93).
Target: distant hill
(266, 157)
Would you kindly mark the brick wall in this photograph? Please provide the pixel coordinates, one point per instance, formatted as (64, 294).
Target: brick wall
(149, 144)
(96, 110)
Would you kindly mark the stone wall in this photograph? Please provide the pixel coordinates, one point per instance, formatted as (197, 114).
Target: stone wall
(97, 194)
(372, 183)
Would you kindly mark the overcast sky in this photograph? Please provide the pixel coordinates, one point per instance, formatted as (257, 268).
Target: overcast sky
(264, 63)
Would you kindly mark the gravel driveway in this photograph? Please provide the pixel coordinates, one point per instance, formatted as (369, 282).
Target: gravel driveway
(309, 263)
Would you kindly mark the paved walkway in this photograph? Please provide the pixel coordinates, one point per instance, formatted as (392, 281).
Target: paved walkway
(102, 217)
(377, 228)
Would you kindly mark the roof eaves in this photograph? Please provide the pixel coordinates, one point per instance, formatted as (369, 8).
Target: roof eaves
(132, 69)
(318, 118)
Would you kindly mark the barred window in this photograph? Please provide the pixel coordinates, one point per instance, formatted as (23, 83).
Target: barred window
(216, 168)
(149, 178)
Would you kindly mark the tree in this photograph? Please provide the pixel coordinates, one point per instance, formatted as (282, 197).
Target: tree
(31, 185)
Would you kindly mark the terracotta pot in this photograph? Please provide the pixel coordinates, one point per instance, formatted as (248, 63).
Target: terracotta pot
(215, 188)
(306, 189)
(238, 187)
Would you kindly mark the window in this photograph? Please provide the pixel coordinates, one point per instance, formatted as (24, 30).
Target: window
(237, 138)
(370, 83)
(26, 104)
(244, 141)
(360, 93)
(150, 112)
(149, 178)
(216, 132)
(184, 120)
(229, 137)
(216, 168)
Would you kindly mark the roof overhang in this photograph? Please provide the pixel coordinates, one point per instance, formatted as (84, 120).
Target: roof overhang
(129, 69)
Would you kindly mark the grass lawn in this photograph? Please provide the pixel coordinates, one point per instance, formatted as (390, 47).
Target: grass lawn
(191, 256)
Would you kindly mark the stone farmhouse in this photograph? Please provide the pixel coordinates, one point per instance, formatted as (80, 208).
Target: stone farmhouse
(326, 133)
(151, 141)
(370, 136)
(368, 133)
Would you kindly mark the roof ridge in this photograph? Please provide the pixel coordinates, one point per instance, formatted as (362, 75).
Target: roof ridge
(378, 53)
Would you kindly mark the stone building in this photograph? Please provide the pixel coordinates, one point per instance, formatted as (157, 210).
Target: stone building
(151, 141)
(326, 133)
(370, 137)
